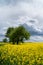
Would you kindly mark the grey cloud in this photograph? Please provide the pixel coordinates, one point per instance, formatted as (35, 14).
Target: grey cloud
(32, 30)
(16, 12)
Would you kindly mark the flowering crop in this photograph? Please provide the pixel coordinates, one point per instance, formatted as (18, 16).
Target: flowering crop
(25, 54)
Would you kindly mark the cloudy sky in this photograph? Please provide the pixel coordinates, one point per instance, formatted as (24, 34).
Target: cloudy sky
(16, 12)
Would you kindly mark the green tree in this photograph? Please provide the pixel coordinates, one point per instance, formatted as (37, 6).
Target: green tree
(19, 34)
(5, 40)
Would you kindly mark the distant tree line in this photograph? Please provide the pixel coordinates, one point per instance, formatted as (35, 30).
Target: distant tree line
(16, 35)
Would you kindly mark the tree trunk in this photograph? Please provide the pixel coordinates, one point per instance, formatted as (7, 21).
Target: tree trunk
(17, 42)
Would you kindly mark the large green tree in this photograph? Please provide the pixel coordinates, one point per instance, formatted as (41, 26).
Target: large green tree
(18, 34)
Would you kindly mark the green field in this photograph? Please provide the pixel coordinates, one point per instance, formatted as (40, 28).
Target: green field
(23, 54)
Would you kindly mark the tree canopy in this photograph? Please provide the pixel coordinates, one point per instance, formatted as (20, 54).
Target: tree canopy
(17, 34)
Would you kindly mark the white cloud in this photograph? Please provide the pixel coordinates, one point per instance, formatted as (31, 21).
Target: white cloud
(36, 38)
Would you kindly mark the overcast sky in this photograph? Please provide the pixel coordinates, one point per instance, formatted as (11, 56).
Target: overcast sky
(16, 12)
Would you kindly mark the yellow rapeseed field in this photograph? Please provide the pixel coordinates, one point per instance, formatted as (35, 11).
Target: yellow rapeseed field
(22, 54)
